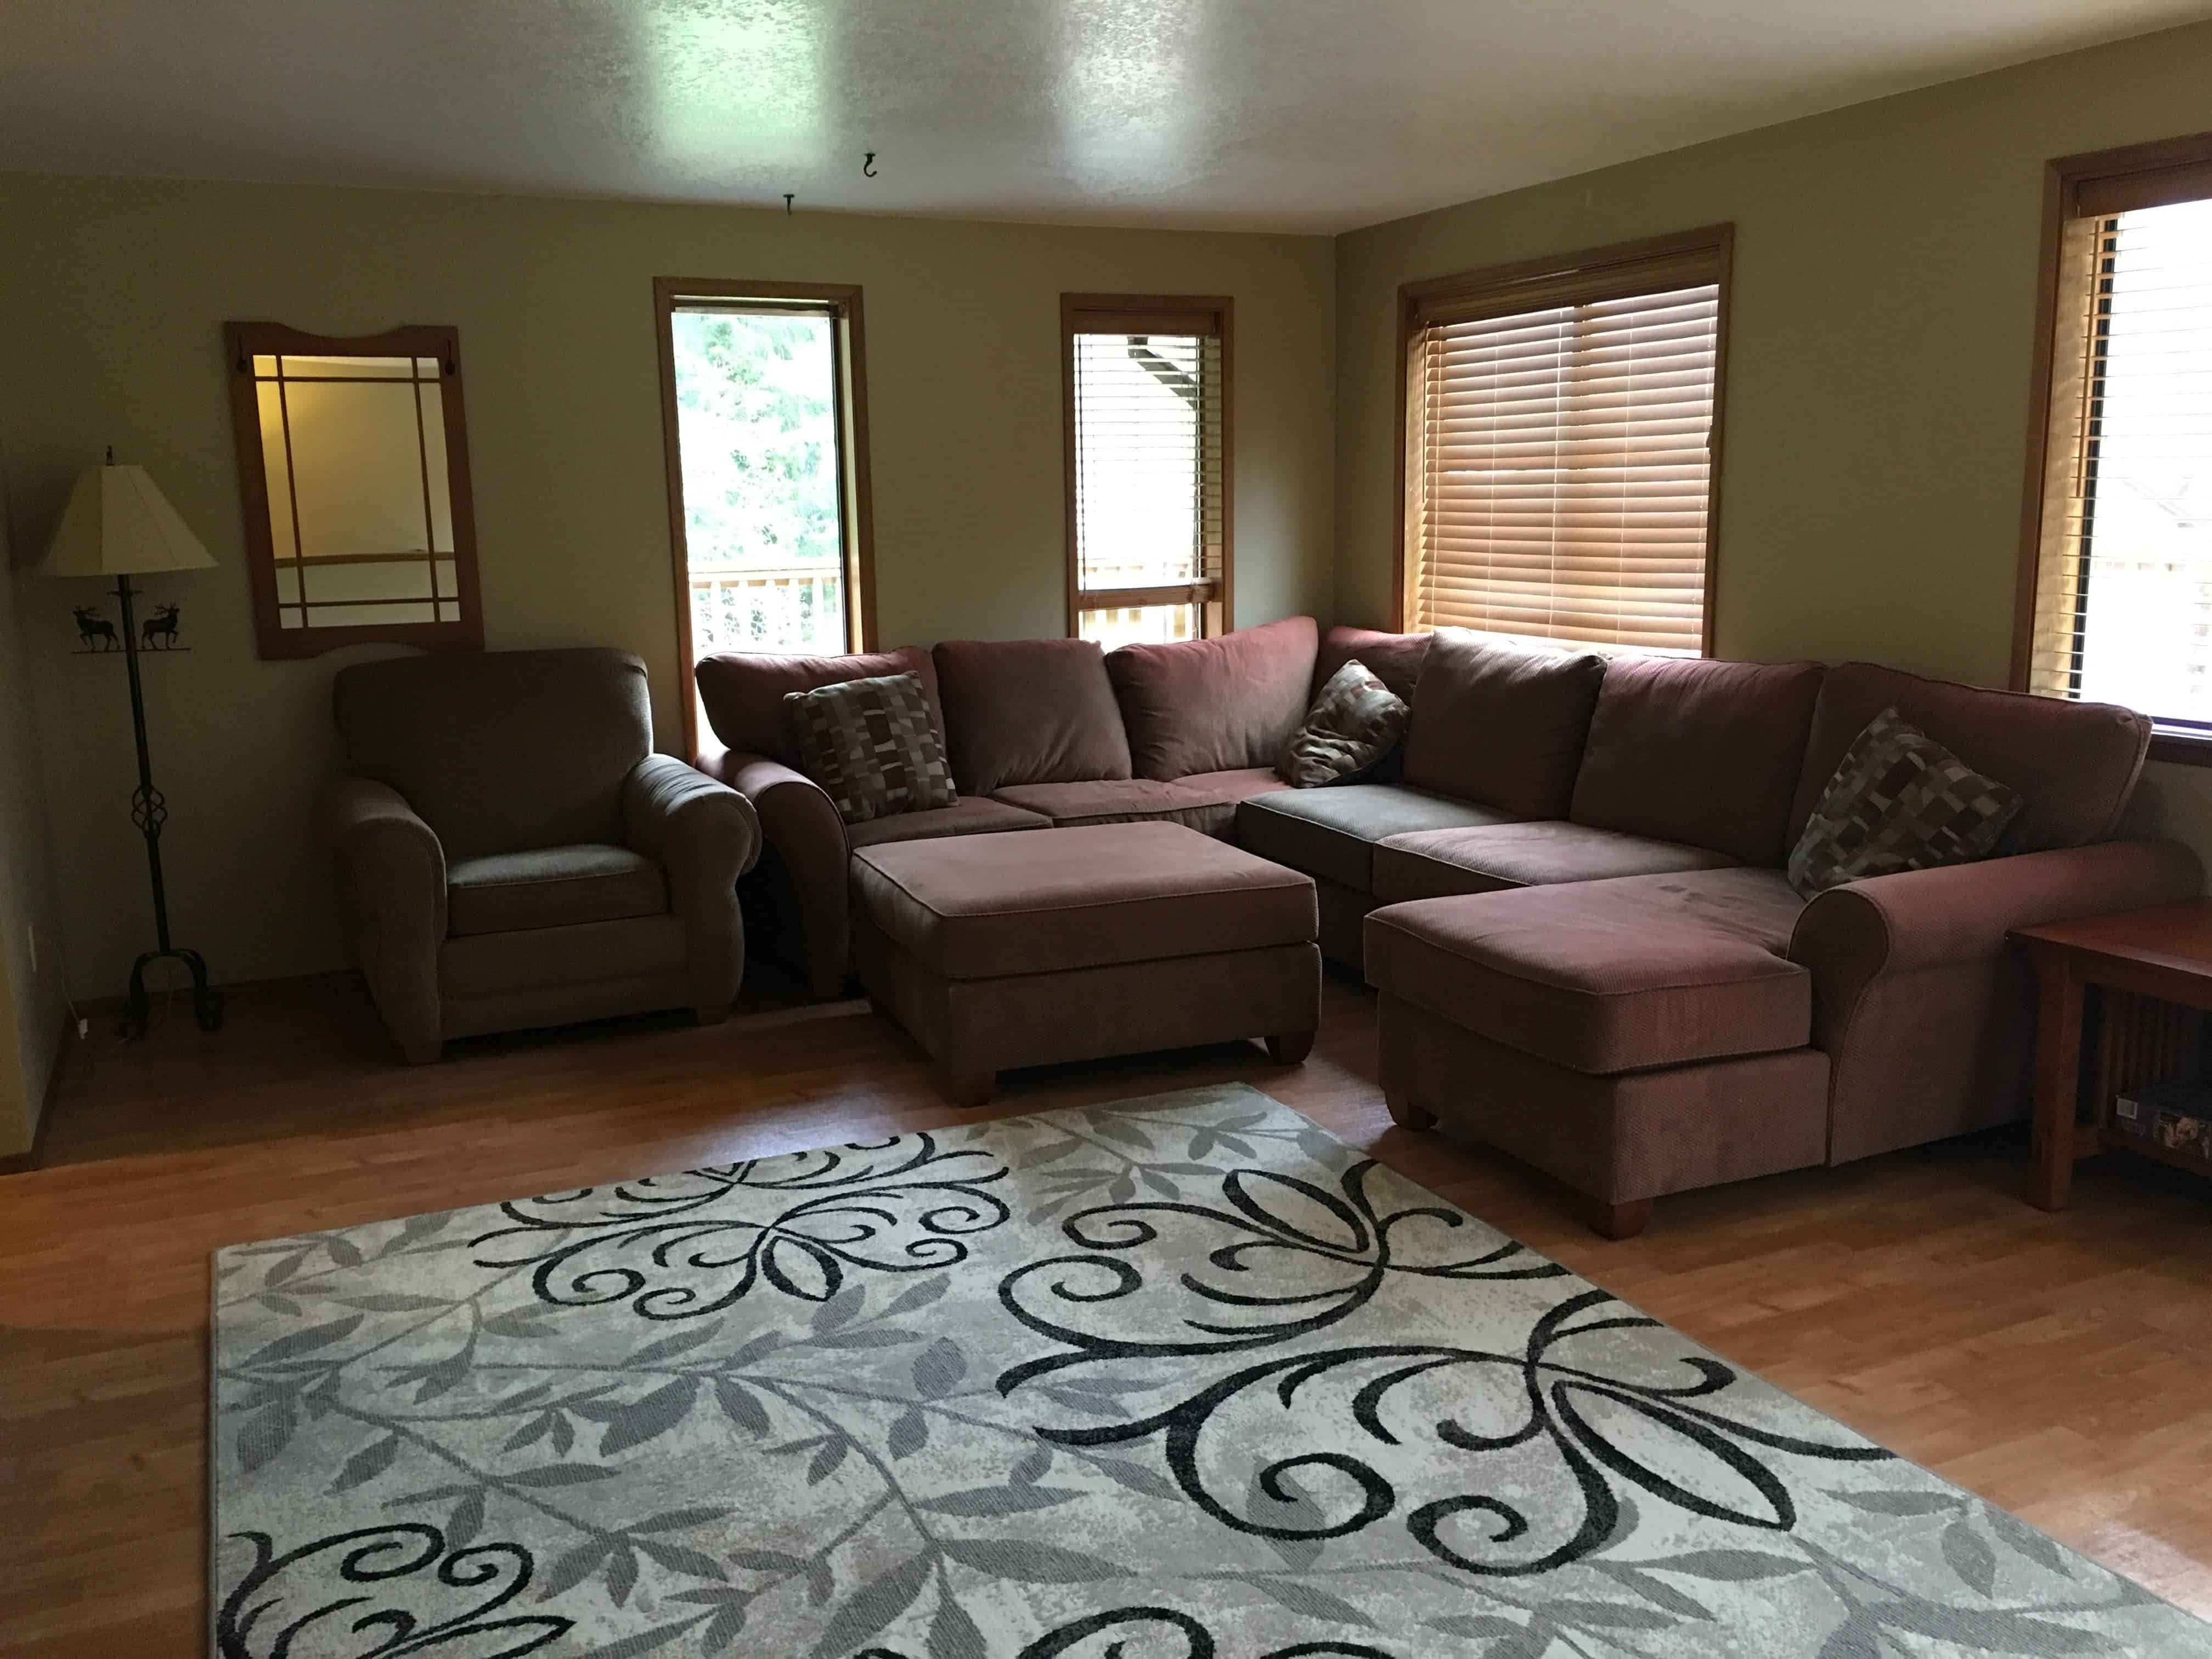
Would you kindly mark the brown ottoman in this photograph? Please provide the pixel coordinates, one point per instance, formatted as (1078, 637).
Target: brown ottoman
(999, 951)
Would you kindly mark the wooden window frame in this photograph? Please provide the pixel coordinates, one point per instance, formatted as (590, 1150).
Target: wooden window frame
(245, 341)
(854, 492)
(1418, 300)
(1216, 601)
(2108, 181)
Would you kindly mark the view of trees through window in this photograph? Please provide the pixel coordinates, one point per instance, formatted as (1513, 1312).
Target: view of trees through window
(758, 423)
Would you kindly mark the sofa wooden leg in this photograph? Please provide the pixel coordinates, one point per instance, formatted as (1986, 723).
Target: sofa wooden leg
(971, 1088)
(1290, 1048)
(1613, 1221)
(1405, 1113)
(711, 1013)
(421, 1054)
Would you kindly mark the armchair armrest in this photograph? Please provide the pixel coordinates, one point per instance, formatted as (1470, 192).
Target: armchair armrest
(1963, 911)
(392, 872)
(801, 823)
(704, 835)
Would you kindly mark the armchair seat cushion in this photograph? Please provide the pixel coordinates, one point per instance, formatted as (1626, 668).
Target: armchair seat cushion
(1608, 976)
(1332, 832)
(551, 887)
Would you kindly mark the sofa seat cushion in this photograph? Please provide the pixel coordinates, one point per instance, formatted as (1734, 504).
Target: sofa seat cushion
(1495, 857)
(984, 906)
(971, 814)
(1606, 976)
(1205, 802)
(551, 887)
(1332, 832)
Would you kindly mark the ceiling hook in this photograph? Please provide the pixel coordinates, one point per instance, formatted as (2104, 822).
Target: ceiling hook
(868, 165)
(787, 204)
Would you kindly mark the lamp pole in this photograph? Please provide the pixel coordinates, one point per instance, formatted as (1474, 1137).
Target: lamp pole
(149, 811)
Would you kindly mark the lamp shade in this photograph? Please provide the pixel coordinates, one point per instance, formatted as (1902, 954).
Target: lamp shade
(119, 523)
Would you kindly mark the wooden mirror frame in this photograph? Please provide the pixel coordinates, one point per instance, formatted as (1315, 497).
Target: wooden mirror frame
(243, 342)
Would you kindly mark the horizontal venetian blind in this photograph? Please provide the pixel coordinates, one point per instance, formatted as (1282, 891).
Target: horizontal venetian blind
(1560, 455)
(2123, 597)
(1148, 459)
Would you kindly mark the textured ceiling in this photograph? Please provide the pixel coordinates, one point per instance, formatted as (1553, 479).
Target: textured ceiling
(1305, 115)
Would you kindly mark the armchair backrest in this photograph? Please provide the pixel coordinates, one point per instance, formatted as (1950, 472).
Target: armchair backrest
(500, 751)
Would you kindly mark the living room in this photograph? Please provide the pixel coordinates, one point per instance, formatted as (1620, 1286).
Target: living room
(1801, 1160)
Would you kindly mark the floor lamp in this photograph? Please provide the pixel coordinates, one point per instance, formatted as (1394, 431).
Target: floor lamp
(118, 524)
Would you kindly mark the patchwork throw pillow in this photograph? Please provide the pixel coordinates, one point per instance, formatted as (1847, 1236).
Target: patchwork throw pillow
(1353, 725)
(1899, 801)
(872, 745)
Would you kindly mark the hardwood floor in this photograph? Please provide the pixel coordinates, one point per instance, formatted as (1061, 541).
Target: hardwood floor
(2058, 1364)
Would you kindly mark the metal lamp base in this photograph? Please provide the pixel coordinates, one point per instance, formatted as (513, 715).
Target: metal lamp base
(207, 1003)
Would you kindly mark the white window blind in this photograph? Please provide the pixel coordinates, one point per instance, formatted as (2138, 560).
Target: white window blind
(2123, 591)
(1559, 453)
(1148, 510)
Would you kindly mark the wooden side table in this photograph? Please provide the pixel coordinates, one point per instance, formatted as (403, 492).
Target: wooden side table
(2162, 955)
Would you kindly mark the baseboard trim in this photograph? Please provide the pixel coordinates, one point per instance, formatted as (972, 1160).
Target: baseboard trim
(64, 1053)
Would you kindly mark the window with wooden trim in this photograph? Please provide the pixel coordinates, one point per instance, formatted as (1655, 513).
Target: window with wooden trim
(1561, 443)
(764, 424)
(2117, 543)
(1148, 445)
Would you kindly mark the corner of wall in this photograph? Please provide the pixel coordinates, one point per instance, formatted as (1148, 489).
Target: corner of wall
(33, 997)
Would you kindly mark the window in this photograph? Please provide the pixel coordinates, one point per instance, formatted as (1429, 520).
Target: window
(1148, 521)
(1561, 447)
(353, 468)
(2117, 560)
(762, 411)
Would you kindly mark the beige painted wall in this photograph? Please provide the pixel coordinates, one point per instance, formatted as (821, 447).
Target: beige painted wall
(111, 299)
(1879, 355)
(30, 994)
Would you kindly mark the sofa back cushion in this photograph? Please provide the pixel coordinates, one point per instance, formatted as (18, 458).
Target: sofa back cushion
(1394, 659)
(501, 751)
(742, 693)
(2074, 763)
(1217, 705)
(1500, 725)
(1705, 752)
(1029, 711)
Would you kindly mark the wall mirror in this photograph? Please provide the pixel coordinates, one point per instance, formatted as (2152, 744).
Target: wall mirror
(353, 470)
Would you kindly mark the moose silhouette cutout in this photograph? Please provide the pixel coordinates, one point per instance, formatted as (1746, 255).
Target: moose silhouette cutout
(161, 625)
(92, 628)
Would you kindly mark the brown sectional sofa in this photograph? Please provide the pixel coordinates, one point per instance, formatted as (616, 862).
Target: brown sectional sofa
(1041, 734)
(1567, 887)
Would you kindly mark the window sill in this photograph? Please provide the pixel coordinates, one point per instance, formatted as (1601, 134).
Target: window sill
(2181, 745)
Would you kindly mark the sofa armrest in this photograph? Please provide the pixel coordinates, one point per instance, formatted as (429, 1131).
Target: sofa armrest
(801, 823)
(392, 872)
(1963, 911)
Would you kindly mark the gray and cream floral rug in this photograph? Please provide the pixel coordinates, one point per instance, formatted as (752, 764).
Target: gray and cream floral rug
(1180, 1378)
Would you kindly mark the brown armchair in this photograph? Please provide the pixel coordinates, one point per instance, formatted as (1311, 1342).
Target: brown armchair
(513, 854)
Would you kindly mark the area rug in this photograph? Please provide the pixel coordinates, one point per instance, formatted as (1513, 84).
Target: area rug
(1179, 1378)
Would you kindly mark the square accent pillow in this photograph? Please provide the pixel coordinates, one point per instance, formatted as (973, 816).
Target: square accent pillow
(1899, 801)
(1353, 725)
(872, 745)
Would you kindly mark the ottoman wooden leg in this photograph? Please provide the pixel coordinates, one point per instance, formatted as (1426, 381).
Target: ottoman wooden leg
(1290, 1048)
(1406, 1115)
(971, 1088)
